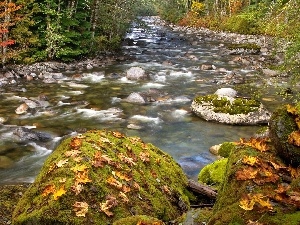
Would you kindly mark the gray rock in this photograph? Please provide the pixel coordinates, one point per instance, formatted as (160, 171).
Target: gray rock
(229, 92)
(136, 73)
(26, 134)
(135, 98)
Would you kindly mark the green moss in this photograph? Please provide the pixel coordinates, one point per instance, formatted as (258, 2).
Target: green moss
(224, 105)
(142, 179)
(213, 174)
(225, 149)
(134, 220)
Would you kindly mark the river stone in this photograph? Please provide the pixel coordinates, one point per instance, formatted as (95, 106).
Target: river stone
(101, 176)
(281, 125)
(22, 109)
(226, 92)
(136, 73)
(26, 134)
(135, 98)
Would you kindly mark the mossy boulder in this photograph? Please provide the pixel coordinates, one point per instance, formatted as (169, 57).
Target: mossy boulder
(256, 188)
(100, 177)
(213, 174)
(140, 219)
(225, 149)
(284, 128)
(230, 110)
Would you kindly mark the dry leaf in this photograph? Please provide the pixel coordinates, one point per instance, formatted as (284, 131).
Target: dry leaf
(114, 182)
(61, 163)
(108, 204)
(82, 178)
(257, 143)
(49, 189)
(76, 143)
(145, 156)
(117, 134)
(61, 191)
(136, 186)
(291, 109)
(79, 168)
(248, 201)
(295, 172)
(246, 173)
(121, 175)
(62, 180)
(294, 138)
(250, 160)
(126, 159)
(77, 188)
(72, 153)
(80, 208)
(123, 196)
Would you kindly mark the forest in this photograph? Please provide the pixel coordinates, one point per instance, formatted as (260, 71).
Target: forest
(34, 30)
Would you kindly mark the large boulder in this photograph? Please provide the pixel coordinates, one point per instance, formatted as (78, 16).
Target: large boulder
(100, 177)
(136, 73)
(284, 132)
(257, 189)
(222, 107)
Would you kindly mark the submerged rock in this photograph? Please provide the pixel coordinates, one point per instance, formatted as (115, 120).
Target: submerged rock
(100, 177)
(26, 134)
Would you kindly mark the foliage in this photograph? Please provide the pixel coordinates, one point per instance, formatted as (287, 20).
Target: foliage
(104, 176)
(225, 149)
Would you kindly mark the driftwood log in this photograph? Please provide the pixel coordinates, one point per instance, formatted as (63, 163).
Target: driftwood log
(202, 189)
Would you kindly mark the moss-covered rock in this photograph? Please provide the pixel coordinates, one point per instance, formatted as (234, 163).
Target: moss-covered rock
(255, 188)
(226, 148)
(213, 174)
(100, 177)
(283, 124)
(140, 219)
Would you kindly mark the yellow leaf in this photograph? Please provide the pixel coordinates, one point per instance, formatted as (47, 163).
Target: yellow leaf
(82, 178)
(108, 204)
(291, 109)
(79, 168)
(250, 160)
(123, 196)
(76, 143)
(246, 204)
(72, 153)
(294, 138)
(61, 191)
(145, 156)
(246, 173)
(62, 162)
(121, 175)
(80, 208)
(49, 189)
(114, 182)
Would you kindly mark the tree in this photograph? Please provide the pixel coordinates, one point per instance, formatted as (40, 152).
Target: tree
(8, 18)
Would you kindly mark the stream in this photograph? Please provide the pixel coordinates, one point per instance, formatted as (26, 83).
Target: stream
(97, 102)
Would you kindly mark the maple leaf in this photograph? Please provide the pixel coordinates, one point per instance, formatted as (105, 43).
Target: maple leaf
(246, 173)
(76, 143)
(250, 160)
(77, 188)
(121, 175)
(61, 191)
(108, 204)
(291, 109)
(114, 182)
(248, 201)
(78, 159)
(72, 153)
(79, 168)
(145, 156)
(257, 143)
(126, 159)
(126, 189)
(123, 196)
(117, 134)
(82, 177)
(295, 172)
(49, 189)
(294, 138)
(61, 163)
(51, 168)
(80, 208)
(105, 140)
(246, 204)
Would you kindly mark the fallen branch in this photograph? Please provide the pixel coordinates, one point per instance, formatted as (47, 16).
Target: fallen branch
(202, 189)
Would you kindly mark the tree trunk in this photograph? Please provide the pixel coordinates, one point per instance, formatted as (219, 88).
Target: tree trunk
(202, 189)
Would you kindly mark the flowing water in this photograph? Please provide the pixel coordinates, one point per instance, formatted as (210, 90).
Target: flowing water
(97, 102)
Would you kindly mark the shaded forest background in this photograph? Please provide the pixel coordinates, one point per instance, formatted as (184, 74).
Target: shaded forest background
(66, 30)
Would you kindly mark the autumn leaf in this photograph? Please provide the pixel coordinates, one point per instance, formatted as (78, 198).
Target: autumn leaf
(257, 143)
(80, 208)
(77, 188)
(126, 159)
(295, 196)
(121, 175)
(295, 172)
(248, 201)
(294, 138)
(105, 140)
(108, 204)
(277, 166)
(297, 121)
(123, 196)
(291, 109)
(61, 191)
(246, 173)
(82, 178)
(145, 156)
(62, 180)
(114, 182)
(72, 153)
(79, 168)
(76, 143)
(246, 204)
(166, 189)
(49, 189)
(136, 186)
(117, 134)
(126, 188)
(250, 160)
(61, 163)
(100, 159)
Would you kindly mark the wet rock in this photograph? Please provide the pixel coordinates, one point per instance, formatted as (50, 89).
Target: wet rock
(270, 73)
(135, 98)
(22, 109)
(229, 92)
(136, 73)
(215, 149)
(207, 67)
(5, 162)
(26, 134)
(113, 177)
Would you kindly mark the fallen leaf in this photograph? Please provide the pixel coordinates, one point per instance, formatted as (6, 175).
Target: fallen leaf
(72, 153)
(79, 168)
(121, 175)
(123, 196)
(62, 180)
(76, 143)
(61, 163)
(108, 204)
(250, 160)
(246, 173)
(248, 201)
(136, 186)
(145, 156)
(49, 189)
(126, 189)
(80, 208)
(82, 178)
(126, 159)
(117, 134)
(246, 204)
(294, 138)
(61, 191)
(77, 188)
(295, 172)
(295, 196)
(114, 182)
(257, 143)
(291, 109)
